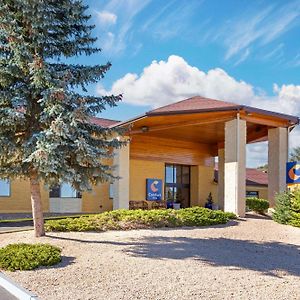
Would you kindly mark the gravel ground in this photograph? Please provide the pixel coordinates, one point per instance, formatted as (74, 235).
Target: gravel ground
(253, 258)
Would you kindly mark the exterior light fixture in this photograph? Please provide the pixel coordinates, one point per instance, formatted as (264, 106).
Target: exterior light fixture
(145, 128)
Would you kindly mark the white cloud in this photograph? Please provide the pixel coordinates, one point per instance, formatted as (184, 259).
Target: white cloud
(123, 32)
(174, 79)
(106, 18)
(258, 28)
(169, 81)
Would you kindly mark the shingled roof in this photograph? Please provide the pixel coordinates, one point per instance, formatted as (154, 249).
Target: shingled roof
(103, 122)
(200, 104)
(254, 177)
(194, 104)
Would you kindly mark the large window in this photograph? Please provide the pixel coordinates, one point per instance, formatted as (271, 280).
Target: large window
(177, 184)
(4, 188)
(64, 191)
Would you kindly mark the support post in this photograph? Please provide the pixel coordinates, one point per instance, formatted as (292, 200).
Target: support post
(277, 158)
(221, 161)
(121, 186)
(235, 167)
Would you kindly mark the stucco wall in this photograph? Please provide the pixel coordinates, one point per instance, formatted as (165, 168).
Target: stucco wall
(97, 200)
(19, 199)
(140, 170)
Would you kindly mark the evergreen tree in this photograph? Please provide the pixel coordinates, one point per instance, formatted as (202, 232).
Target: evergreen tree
(295, 154)
(46, 133)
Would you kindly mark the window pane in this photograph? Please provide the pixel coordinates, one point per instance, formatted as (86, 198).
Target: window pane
(169, 174)
(4, 188)
(66, 190)
(169, 193)
(185, 175)
(177, 173)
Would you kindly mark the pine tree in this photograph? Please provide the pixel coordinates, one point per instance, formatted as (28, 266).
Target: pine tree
(295, 155)
(46, 133)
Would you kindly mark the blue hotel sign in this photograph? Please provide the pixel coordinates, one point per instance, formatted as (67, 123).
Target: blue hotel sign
(154, 189)
(293, 172)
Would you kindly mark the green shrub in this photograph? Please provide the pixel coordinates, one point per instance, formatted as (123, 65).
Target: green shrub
(28, 256)
(134, 219)
(282, 212)
(295, 208)
(256, 204)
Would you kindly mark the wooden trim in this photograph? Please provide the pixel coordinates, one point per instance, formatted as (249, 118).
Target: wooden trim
(265, 121)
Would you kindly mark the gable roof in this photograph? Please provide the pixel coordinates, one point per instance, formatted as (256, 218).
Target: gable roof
(103, 122)
(199, 104)
(194, 104)
(254, 177)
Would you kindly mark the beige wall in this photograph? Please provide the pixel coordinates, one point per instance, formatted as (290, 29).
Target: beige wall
(140, 170)
(202, 183)
(19, 199)
(98, 200)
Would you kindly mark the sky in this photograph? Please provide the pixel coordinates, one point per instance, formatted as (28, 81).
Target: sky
(162, 51)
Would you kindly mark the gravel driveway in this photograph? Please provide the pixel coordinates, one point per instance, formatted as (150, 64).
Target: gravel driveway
(253, 258)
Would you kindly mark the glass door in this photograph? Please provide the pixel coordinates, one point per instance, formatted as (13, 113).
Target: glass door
(177, 185)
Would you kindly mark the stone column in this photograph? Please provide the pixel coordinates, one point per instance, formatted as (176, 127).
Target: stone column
(277, 158)
(235, 167)
(221, 160)
(121, 186)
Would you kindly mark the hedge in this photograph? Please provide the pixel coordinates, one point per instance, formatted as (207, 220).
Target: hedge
(256, 204)
(135, 219)
(28, 256)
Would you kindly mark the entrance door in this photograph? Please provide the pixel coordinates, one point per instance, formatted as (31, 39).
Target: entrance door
(177, 184)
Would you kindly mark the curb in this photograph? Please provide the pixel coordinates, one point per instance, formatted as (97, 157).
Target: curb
(15, 230)
(16, 290)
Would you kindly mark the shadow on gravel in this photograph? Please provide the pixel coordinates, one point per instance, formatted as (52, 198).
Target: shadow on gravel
(65, 261)
(271, 258)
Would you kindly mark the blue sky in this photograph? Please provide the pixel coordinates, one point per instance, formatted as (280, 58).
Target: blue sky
(163, 51)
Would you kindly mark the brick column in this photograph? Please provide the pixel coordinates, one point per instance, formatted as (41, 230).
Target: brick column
(235, 167)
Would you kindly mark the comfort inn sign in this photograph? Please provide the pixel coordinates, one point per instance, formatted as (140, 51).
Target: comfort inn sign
(293, 172)
(154, 189)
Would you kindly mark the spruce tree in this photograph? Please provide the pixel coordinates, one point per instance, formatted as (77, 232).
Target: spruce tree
(46, 133)
(295, 155)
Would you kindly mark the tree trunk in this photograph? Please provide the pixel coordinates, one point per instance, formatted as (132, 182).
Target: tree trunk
(36, 204)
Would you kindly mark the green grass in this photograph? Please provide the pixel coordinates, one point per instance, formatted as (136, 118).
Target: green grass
(28, 256)
(136, 219)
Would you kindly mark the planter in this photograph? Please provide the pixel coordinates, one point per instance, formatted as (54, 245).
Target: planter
(176, 205)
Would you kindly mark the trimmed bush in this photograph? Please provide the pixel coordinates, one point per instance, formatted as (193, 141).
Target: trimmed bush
(28, 256)
(136, 219)
(295, 209)
(282, 212)
(256, 204)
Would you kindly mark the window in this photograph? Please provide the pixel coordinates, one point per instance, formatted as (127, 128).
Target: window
(111, 191)
(177, 184)
(64, 191)
(4, 188)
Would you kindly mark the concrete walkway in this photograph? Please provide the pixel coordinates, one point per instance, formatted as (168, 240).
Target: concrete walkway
(14, 227)
(5, 295)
